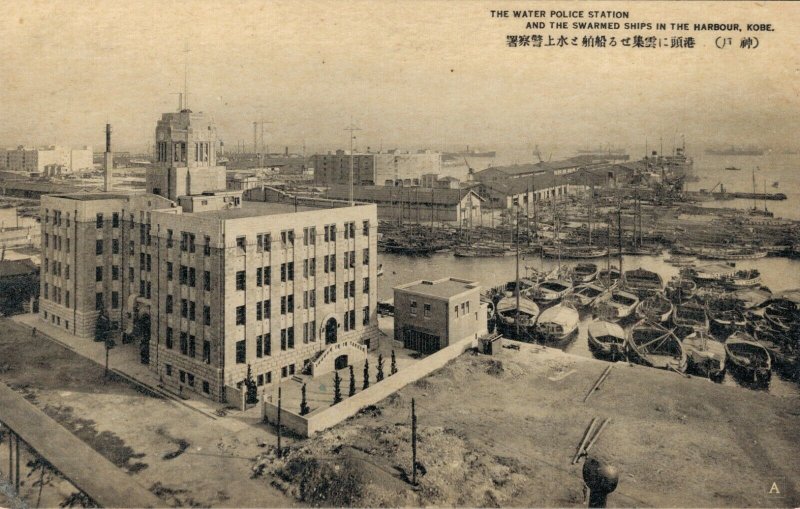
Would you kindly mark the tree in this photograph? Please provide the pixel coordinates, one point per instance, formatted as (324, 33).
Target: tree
(366, 375)
(303, 403)
(251, 397)
(379, 374)
(337, 388)
(394, 365)
(102, 332)
(352, 390)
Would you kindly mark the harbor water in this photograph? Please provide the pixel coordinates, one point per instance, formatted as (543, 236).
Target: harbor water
(777, 273)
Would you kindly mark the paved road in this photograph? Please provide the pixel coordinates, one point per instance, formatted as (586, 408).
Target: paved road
(83, 466)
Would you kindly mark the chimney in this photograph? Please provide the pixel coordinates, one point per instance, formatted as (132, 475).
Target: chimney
(108, 161)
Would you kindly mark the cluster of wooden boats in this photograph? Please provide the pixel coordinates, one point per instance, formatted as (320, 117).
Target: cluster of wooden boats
(704, 321)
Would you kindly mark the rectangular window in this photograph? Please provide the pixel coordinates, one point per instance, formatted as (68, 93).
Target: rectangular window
(240, 315)
(192, 308)
(259, 276)
(290, 337)
(426, 310)
(267, 276)
(206, 315)
(115, 220)
(98, 273)
(366, 285)
(207, 246)
(267, 345)
(184, 308)
(169, 338)
(184, 343)
(290, 303)
(192, 276)
(266, 308)
(259, 314)
(290, 271)
(169, 271)
(283, 339)
(190, 379)
(241, 352)
(283, 304)
(168, 304)
(207, 352)
(366, 316)
(168, 369)
(259, 346)
(99, 221)
(192, 348)
(305, 267)
(206, 280)
(241, 244)
(183, 274)
(365, 228)
(312, 298)
(365, 256)
(241, 278)
(98, 300)
(412, 308)
(114, 300)
(206, 387)
(98, 247)
(283, 272)
(114, 246)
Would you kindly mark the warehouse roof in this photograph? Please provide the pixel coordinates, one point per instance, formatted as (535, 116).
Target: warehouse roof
(402, 194)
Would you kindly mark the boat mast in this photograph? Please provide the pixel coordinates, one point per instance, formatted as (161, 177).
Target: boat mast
(755, 205)
(765, 195)
(619, 236)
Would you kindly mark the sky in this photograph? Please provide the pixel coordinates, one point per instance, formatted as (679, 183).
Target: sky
(410, 74)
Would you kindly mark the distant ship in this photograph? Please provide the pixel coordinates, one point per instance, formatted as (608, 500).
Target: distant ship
(619, 154)
(735, 151)
(467, 153)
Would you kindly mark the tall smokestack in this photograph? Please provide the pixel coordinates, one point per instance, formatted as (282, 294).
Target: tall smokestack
(108, 161)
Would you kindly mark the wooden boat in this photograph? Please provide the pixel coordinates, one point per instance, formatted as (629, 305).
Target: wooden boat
(656, 346)
(783, 348)
(679, 260)
(483, 252)
(726, 315)
(655, 308)
(619, 305)
(643, 282)
(507, 315)
(557, 325)
(608, 277)
(748, 356)
(783, 312)
(584, 273)
(681, 289)
(744, 278)
(607, 339)
(733, 253)
(706, 355)
(712, 273)
(549, 291)
(586, 294)
(690, 314)
(575, 252)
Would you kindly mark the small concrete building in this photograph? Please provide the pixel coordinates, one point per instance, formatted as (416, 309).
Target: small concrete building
(391, 168)
(431, 315)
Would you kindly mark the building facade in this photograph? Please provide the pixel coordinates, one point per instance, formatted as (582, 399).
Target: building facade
(52, 159)
(430, 315)
(392, 168)
(206, 283)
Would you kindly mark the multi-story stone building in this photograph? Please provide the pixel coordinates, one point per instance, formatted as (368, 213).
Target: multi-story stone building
(207, 283)
(38, 160)
(391, 168)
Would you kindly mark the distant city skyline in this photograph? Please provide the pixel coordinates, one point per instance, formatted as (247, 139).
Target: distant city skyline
(411, 74)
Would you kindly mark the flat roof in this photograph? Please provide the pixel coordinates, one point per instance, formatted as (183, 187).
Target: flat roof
(93, 196)
(255, 209)
(442, 288)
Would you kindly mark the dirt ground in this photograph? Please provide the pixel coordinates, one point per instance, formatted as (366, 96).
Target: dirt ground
(501, 431)
(181, 455)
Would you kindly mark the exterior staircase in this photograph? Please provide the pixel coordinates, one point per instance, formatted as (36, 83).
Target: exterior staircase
(324, 361)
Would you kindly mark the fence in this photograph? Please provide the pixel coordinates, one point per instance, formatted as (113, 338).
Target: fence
(324, 419)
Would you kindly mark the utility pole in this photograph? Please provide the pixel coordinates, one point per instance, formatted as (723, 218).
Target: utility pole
(279, 421)
(516, 318)
(413, 443)
(351, 128)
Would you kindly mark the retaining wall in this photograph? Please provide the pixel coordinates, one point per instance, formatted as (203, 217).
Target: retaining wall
(325, 418)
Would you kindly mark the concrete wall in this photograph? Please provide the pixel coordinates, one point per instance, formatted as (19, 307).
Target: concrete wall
(322, 419)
